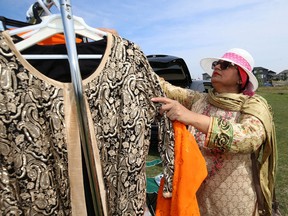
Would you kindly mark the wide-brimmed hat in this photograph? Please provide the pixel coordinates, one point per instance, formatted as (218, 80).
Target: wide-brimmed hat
(239, 57)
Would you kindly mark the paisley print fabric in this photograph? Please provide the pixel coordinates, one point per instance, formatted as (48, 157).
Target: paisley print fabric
(122, 111)
(40, 153)
(33, 149)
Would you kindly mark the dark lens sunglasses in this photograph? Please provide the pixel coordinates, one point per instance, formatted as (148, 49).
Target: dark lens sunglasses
(223, 64)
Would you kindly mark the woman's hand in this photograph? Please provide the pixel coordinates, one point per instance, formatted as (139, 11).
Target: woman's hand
(173, 109)
(177, 112)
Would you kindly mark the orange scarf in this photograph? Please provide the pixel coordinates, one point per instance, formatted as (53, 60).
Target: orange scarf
(54, 40)
(190, 171)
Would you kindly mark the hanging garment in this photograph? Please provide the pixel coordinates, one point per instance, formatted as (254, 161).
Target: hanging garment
(59, 69)
(11, 24)
(190, 171)
(57, 39)
(40, 152)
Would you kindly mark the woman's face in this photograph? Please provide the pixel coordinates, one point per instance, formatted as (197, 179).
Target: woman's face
(225, 77)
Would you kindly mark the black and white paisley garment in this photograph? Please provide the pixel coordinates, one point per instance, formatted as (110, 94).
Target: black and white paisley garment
(40, 152)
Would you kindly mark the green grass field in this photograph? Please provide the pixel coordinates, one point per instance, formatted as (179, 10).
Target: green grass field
(277, 97)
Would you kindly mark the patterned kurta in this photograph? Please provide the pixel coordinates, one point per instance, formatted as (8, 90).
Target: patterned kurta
(228, 190)
(40, 151)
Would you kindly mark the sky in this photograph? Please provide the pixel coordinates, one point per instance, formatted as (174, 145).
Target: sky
(188, 29)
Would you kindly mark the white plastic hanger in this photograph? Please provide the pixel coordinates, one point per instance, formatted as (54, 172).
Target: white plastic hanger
(50, 26)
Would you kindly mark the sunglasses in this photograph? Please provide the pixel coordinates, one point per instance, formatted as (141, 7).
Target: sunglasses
(223, 64)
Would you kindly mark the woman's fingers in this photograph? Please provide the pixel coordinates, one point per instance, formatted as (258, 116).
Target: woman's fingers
(167, 103)
(169, 106)
(161, 100)
(173, 109)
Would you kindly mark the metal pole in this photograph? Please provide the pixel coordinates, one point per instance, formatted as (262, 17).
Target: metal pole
(69, 32)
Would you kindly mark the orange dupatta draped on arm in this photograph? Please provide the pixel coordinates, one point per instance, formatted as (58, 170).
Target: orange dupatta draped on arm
(190, 171)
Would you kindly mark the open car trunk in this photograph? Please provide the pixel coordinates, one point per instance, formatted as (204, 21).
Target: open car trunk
(172, 69)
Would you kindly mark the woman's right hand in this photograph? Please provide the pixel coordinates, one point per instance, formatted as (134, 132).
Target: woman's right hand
(173, 109)
(177, 112)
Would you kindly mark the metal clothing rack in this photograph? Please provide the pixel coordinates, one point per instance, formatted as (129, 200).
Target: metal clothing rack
(69, 32)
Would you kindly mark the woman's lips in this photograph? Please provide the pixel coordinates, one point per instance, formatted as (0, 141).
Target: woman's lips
(215, 73)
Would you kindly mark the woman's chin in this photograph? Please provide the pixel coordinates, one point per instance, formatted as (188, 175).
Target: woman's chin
(215, 78)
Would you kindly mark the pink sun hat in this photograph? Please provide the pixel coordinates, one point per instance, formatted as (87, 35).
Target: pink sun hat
(239, 57)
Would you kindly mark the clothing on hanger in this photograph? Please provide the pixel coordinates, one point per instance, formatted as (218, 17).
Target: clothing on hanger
(7, 23)
(67, 27)
(119, 135)
(53, 68)
(39, 126)
(50, 26)
(77, 86)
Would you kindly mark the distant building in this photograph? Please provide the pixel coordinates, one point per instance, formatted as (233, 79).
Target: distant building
(281, 76)
(206, 76)
(263, 75)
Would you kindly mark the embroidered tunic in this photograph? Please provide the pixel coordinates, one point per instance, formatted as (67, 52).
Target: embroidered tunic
(41, 169)
(232, 137)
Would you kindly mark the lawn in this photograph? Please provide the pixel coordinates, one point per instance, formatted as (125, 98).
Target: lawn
(277, 97)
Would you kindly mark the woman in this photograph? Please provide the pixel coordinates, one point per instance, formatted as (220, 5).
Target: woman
(230, 124)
